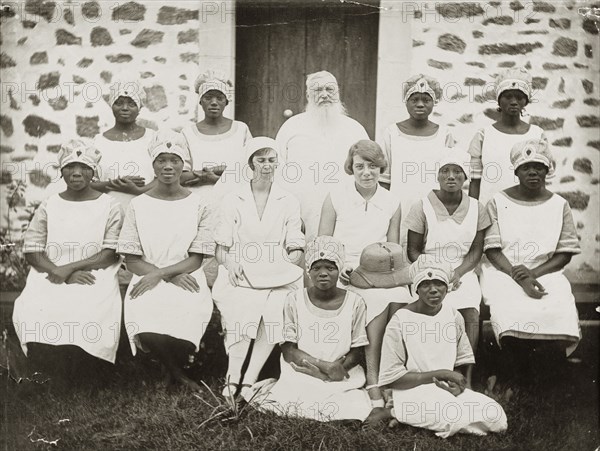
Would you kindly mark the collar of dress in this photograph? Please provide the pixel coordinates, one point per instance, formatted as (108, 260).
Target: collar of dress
(442, 214)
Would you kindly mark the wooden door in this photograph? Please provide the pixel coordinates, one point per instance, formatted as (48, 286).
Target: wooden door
(278, 44)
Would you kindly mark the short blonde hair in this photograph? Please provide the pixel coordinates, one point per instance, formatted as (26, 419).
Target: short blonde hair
(368, 150)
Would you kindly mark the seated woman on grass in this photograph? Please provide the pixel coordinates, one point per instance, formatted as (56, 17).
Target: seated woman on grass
(72, 292)
(325, 336)
(424, 360)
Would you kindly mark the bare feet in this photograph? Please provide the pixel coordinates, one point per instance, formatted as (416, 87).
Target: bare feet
(377, 415)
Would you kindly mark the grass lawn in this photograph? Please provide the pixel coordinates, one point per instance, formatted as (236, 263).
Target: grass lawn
(127, 407)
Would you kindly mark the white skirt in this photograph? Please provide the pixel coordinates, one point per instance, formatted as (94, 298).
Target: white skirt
(88, 316)
(430, 407)
(377, 299)
(514, 314)
(169, 310)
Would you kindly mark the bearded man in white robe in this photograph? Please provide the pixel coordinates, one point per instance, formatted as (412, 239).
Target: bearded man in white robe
(314, 146)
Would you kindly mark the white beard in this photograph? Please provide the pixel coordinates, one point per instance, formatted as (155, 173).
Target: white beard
(325, 115)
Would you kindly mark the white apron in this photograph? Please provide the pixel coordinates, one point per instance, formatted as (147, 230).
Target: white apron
(88, 316)
(451, 242)
(327, 338)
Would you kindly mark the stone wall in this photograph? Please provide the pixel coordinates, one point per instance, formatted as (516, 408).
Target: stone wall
(464, 45)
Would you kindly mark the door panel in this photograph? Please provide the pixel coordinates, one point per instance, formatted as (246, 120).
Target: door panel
(277, 45)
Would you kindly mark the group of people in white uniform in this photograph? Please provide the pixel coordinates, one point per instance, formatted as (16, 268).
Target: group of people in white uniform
(348, 271)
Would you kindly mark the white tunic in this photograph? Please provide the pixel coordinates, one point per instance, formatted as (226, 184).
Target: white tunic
(418, 343)
(165, 232)
(530, 233)
(413, 162)
(123, 158)
(490, 159)
(88, 316)
(449, 237)
(313, 157)
(327, 335)
(255, 239)
(208, 151)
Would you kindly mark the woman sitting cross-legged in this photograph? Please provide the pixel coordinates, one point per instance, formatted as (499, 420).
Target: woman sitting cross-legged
(72, 294)
(164, 239)
(531, 240)
(325, 337)
(424, 360)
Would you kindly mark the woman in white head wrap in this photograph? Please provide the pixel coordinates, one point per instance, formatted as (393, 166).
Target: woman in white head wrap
(125, 170)
(258, 233)
(491, 170)
(451, 225)
(531, 239)
(413, 146)
(216, 143)
(72, 294)
(164, 239)
(424, 360)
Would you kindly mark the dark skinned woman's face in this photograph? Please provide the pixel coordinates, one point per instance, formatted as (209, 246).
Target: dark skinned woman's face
(532, 175)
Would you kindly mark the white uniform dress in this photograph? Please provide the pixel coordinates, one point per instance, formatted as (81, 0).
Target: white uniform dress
(88, 316)
(449, 237)
(327, 335)
(530, 233)
(253, 239)
(417, 343)
(165, 232)
(123, 158)
(413, 162)
(313, 157)
(361, 222)
(208, 151)
(490, 159)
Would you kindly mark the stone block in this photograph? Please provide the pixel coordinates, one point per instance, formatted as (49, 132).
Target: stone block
(39, 178)
(451, 43)
(588, 121)
(129, 12)
(564, 47)
(594, 144)
(35, 100)
(562, 104)
(38, 58)
(6, 149)
(54, 148)
(587, 50)
(63, 37)
(477, 34)
(499, 20)
(563, 142)
(529, 20)
(147, 37)
(49, 80)
(169, 15)
(476, 64)
(581, 66)
(561, 86)
(28, 24)
(489, 96)
(516, 6)
(87, 127)
(578, 200)
(439, 64)
(41, 8)
(20, 41)
(84, 62)
(589, 26)
(546, 123)
(474, 82)
(156, 98)
(507, 64)
(456, 10)
(509, 49)
(100, 37)
(539, 82)
(588, 86)
(583, 165)
(563, 24)
(527, 32)
(124, 31)
(189, 57)
(183, 37)
(12, 101)
(567, 179)
(120, 58)
(58, 103)
(68, 16)
(592, 101)
(79, 80)
(466, 119)
(38, 126)
(543, 7)
(106, 76)
(6, 125)
(417, 43)
(5, 177)
(6, 61)
(91, 10)
(146, 75)
(160, 59)
(553, 66)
